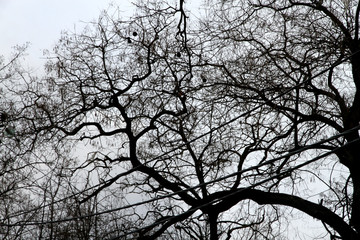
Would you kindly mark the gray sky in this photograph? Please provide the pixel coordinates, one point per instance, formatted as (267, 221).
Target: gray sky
(40, 22)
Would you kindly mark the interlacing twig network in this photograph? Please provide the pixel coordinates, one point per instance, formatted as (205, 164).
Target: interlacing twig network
(297, 151)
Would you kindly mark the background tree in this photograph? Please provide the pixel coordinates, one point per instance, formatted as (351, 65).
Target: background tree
(220, 124)
(14, 167)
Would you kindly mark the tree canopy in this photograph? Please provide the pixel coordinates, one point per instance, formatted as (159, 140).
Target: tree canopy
(220, 123)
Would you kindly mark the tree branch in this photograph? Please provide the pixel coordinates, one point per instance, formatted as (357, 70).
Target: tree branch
(315, 210)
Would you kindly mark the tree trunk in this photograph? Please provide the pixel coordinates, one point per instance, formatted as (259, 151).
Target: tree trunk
(352, 120)
(355, 214)
(213, 217)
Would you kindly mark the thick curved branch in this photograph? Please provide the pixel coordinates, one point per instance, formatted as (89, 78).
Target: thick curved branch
(315, 210)
(169, 221)
(94, 124)
(323, 9)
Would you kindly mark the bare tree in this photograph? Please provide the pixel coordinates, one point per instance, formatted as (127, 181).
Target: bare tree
(305, 52)
(220, 125)
(14, 168)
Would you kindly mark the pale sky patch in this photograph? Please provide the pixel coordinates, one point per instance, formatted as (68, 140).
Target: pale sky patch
(40, 22)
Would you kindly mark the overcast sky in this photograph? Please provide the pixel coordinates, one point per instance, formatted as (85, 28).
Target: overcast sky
(40, 22)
